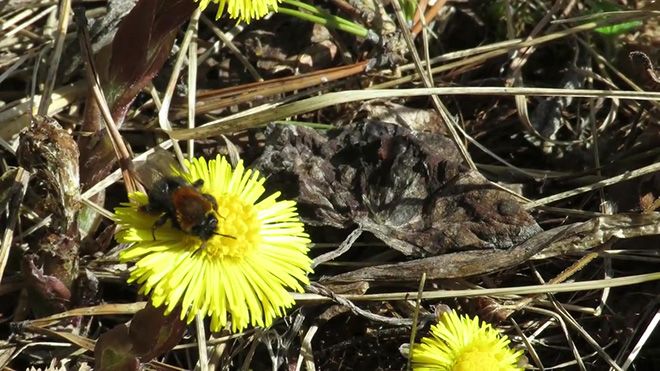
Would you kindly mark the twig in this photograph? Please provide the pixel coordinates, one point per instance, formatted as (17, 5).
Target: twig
(506, 46)
(20, 186)
(171, 84)
(448, 120)
(413, 331)
(92, 76)
(62, 27)
(326, 100)
(32, 20)
(428, 16)
(585, 335)
(234, 95)
(192, 82)
(323, 292)
(232, 48)
(567, 273)
(653, 324)
(343, 247)
(597, 185)
(569, 339)
(306, 353)
(321, 296)
(203, 361)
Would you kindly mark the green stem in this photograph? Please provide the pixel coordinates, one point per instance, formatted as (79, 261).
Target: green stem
(323, 21)
(309, 7)
(320, 13)
(317, 16)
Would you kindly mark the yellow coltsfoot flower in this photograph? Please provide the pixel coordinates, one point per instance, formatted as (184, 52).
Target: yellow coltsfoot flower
(245, 10)
(259, 251)
(463, 344)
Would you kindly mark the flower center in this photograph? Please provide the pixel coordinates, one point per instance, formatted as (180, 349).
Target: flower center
(238, 229)
(482, 358)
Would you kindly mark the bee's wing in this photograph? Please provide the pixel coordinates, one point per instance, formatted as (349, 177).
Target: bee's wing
(157, 165)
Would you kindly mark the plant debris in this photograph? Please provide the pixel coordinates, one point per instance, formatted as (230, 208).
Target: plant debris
(408, 189)
(536, 209)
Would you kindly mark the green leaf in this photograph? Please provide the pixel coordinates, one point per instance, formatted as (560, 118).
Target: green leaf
(602, 6)
(619, 28)
(409, 7)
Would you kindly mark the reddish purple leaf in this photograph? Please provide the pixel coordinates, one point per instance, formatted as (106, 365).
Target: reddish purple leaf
(153, 333)
(114, 351)
(141, 47)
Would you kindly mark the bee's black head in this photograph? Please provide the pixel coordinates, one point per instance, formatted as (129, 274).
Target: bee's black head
(207, 228)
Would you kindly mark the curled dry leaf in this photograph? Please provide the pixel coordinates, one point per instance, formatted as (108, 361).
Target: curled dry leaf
(417, 119)
(409, 189)
(561, 240)
(51, 155)
(54, 294)
(452, 265)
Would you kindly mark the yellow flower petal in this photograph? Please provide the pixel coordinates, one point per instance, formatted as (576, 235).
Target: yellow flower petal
(245, 276)
(244, 10)
(463, 344)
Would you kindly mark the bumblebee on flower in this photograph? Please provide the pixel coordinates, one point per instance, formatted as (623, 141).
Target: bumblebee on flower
(255, 251)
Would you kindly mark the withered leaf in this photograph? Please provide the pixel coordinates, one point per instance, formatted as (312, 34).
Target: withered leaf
(141, 46)
(409, 189)
(51, 155)
(154, 333)
(114, 351)
(50, 294)
(451, 265)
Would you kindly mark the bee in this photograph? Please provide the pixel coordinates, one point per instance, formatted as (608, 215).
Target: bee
(174, 198)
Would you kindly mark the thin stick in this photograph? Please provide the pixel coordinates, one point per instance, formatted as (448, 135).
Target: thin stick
(22, 26)
(19, 16)
(232, 48)
(201, 343)
(568, 273)
(62, 26)
(326, 100)
(428, 16)
(20, 181)
(92, 76)
(343, 248)
(447, 119)
(171, 84)
(192, 82)
(653, 324)
(597, 185)
(500, 291)
(413, 331)
(509, 45)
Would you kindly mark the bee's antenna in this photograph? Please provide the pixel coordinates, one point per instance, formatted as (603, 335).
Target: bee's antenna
(224, 235)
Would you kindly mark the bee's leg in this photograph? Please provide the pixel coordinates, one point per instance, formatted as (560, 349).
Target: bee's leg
(198, 183)
(148, 208)
(200, 248)
(212, 200)
(159, 223)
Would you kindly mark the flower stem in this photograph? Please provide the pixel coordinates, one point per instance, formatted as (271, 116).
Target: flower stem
(318, 16)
